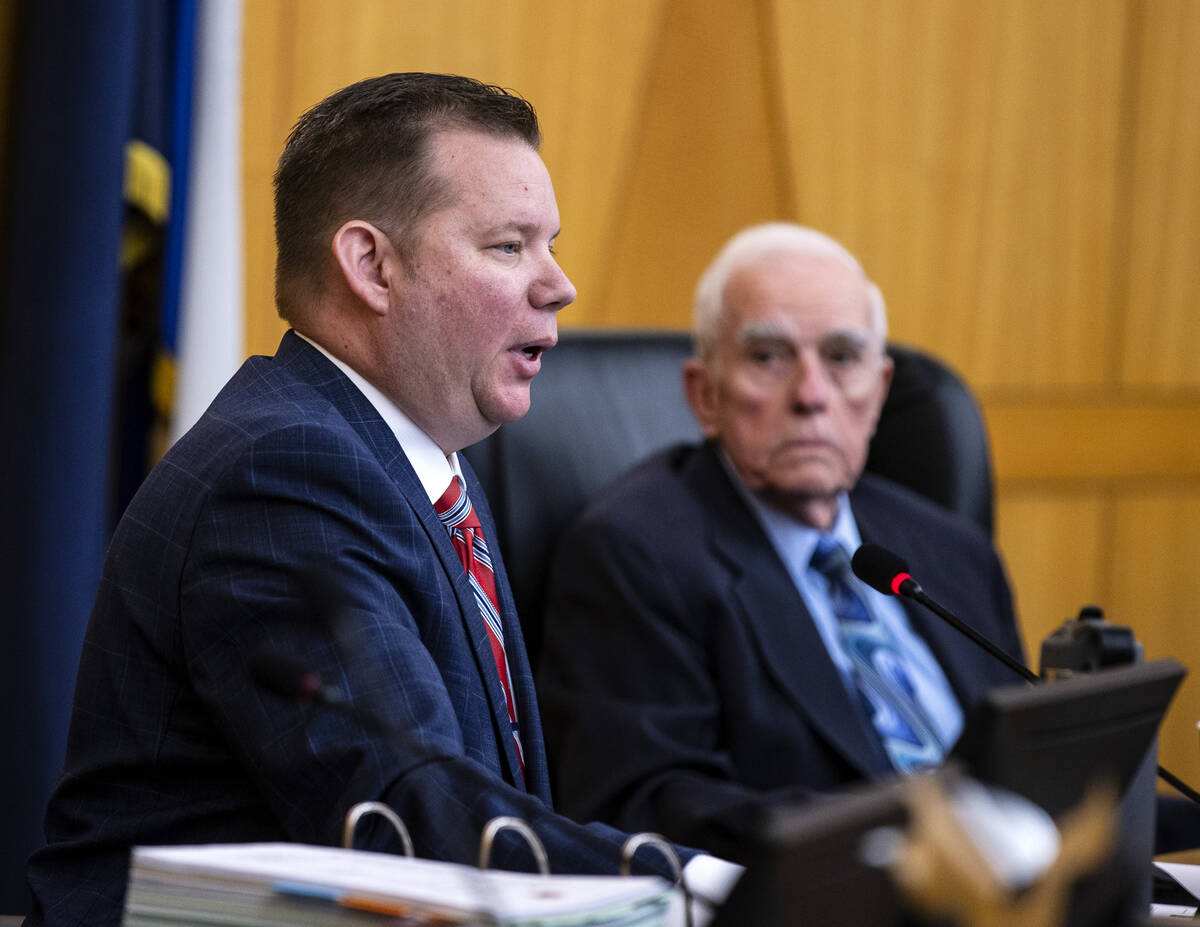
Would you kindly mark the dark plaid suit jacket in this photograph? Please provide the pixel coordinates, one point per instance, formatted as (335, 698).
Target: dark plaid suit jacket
(289, 476)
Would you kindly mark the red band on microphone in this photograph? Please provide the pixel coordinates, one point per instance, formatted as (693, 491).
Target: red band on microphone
(310, 685)
(898, 580)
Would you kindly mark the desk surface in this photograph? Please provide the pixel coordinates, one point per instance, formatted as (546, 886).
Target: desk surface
(1191, 857)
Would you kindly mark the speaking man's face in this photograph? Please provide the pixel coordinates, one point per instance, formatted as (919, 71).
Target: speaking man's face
(477, 300)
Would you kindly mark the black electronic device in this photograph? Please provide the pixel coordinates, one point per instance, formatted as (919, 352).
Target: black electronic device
(1049, 742)
(806, 864)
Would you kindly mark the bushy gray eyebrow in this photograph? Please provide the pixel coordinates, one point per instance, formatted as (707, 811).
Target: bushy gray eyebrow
(756, 332)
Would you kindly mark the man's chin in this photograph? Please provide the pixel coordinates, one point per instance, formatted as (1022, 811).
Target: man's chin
(504, 409)
(815, 478)
(804, 487)
(800, 494)
(812, 504)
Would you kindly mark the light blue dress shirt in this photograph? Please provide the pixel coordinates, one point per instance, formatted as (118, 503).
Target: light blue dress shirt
(795, 543)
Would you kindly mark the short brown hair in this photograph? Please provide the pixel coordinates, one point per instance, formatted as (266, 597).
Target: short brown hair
(363, 153)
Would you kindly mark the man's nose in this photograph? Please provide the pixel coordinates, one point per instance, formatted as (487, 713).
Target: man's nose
(810, 384)
(552, 290)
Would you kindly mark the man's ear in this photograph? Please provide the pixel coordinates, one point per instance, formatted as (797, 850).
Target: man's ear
(701, 390)
(887, 368)
(365, 256)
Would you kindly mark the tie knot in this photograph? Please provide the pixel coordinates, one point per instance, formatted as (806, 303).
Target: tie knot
(454, 506)
(830, 558)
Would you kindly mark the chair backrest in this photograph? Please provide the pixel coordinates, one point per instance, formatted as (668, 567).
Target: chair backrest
(932, 438)
(605, 400)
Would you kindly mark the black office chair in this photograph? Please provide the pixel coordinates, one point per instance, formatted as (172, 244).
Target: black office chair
(605, 400)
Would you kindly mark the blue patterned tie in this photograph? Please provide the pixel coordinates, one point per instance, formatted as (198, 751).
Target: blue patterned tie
(879, 674)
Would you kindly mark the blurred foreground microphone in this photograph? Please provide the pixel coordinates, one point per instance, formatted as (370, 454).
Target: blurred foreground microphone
(287, 676)
(884, 572)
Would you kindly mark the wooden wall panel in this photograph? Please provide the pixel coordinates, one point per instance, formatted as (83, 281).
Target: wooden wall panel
(592, 102)
(1156, 537)
(1132, 551)
(583, 67)
(1034, 530)
(268, 64)
(1081, 441)
(701, 165)
(1002, 167)
(879, 105)
(968, 154)
(1161, 325)
(1046, 270)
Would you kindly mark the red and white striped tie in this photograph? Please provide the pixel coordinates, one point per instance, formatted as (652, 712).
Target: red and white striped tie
(458, 515)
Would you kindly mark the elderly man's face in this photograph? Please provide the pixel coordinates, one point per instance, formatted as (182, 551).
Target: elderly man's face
(797, 380)
(476, 299)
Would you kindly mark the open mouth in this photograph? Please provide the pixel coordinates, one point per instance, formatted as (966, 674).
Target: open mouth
(532, 351)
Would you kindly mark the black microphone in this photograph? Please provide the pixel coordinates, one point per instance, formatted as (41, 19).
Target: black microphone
(284, 675)
(287, 676)
(884, 572)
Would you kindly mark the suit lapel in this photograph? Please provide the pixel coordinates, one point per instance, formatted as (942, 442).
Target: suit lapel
(790, 646)
(315, 368)
(968, 668)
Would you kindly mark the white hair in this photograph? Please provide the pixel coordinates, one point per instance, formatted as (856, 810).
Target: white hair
(747, 246)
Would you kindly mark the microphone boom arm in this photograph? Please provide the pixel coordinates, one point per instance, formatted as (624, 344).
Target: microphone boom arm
(883, 571)
(916, 593)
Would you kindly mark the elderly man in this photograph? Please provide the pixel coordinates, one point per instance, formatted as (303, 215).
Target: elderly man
(707, 652)
(415, 226)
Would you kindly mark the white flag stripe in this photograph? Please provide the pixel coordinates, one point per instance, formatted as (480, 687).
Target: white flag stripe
(211, 340)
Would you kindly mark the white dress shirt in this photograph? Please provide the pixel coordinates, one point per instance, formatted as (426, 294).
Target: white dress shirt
(434, 469)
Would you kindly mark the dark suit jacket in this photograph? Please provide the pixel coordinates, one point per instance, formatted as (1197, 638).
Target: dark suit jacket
(684, 686)
(290, 475)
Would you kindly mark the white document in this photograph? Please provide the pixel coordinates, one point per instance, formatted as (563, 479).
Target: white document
(269, 883)
(1187, 876)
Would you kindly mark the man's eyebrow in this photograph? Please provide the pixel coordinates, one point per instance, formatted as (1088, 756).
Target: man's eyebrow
(524, 229)
(852, 335)
(757, 332)
(762, 331)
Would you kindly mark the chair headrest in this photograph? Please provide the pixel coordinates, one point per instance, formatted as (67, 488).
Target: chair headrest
(606, 400)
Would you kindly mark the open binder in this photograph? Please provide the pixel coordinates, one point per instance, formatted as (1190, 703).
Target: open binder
(269, 884)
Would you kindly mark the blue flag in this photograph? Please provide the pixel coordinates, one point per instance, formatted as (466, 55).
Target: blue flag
(100, 110)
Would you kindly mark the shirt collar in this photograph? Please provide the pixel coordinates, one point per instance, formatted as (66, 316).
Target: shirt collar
(433, 468)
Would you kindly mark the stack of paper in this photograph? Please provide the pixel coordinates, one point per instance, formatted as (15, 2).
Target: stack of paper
(267, 884)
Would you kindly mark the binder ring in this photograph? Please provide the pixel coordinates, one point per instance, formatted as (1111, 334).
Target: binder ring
(507, 822)
(361, 810)
(636, 841)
